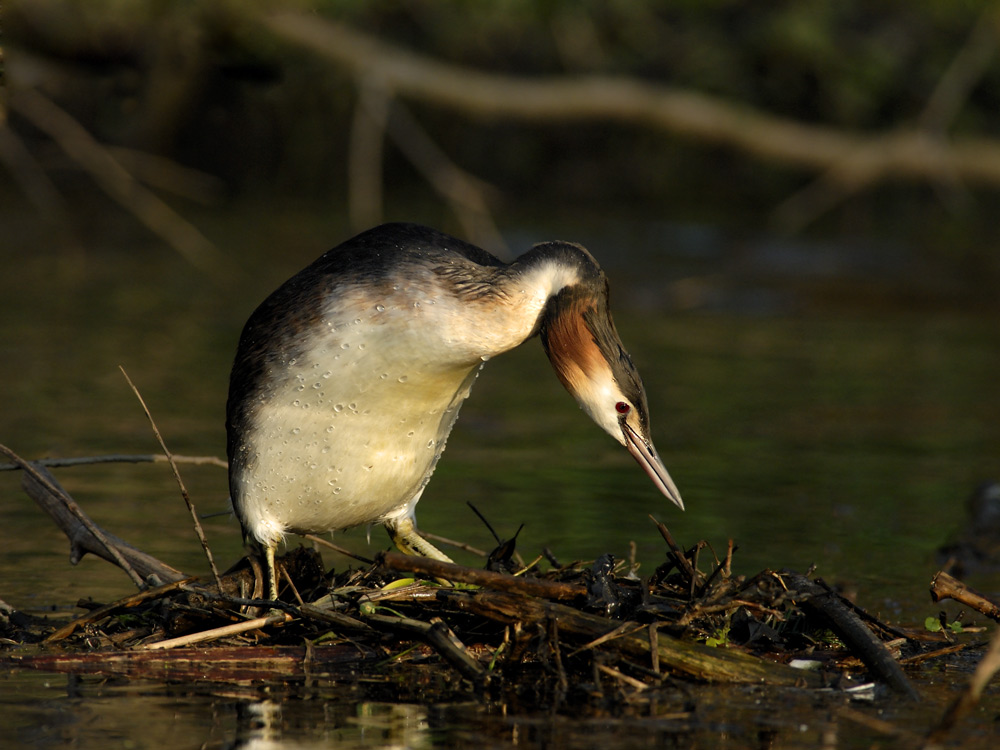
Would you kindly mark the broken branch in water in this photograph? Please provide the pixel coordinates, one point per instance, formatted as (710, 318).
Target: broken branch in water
(86, 536)
(945, 586)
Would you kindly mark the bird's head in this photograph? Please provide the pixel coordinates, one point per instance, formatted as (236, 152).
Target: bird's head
(583, 346)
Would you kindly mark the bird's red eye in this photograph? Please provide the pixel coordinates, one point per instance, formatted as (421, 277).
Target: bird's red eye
(622, 408)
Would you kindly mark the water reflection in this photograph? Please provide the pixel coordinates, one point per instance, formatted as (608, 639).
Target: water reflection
(263, 725)
(42, 711)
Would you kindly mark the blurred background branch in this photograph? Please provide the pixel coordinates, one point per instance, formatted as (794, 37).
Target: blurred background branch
(858, 157)
(782, 117)
(112, 177)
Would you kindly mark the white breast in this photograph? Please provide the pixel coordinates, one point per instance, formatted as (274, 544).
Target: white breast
(354, 428)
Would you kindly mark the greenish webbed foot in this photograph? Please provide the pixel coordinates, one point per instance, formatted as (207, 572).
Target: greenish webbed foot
(404, 535)
(406, 538)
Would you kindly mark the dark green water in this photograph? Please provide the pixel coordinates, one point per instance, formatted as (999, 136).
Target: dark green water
(811, 427)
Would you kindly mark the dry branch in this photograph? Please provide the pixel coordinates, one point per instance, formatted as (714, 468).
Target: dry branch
(224, 632)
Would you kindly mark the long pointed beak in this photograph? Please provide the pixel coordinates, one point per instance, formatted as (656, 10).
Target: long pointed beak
(645, 454)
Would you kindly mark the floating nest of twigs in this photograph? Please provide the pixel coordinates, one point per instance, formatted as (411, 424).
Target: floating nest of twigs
(548, 633)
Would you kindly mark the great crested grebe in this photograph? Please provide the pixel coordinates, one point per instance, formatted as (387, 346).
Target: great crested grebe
(349, 377)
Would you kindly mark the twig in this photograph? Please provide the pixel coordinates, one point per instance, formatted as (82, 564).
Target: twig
(936, 653)
(612, 672)
(215, 633)
(123, 458)
(180, 482)
(337, 548)
(291, 585)
(700, 610)
(504, 548)
(625, 629)
(305, 612)
(694, 566)
(675, 552)
(440, 636)
(453, 543)
(553, 639)
(654, 646)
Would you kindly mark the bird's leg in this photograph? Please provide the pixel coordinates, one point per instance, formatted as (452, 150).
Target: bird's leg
(272, 580)
(403, 532)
